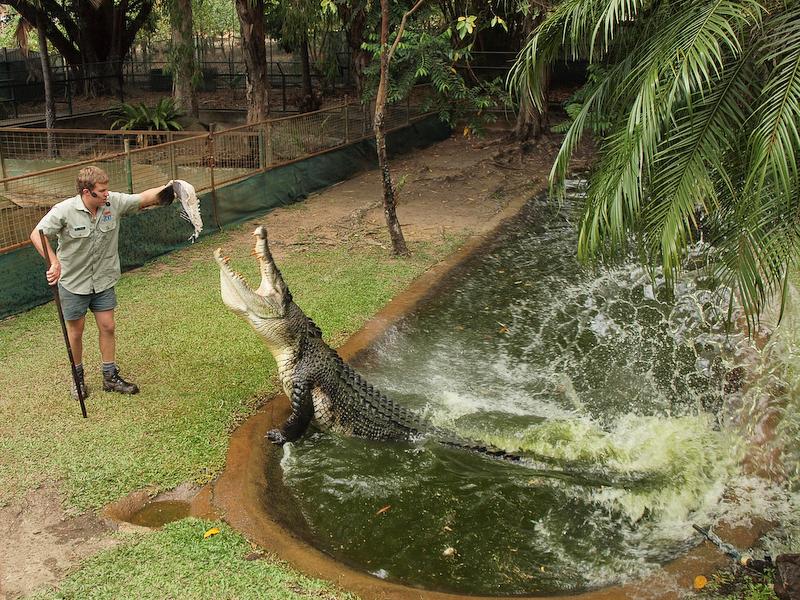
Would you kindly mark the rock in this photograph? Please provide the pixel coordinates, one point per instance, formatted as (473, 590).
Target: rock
(787, 577)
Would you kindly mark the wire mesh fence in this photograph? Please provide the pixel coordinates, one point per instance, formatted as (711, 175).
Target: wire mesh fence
(21, 87)
(38, 167)
(26, 144)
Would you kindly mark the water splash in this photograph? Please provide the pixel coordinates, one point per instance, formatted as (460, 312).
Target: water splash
(600, 374)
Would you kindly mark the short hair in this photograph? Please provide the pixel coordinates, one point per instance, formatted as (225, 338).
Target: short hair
(88, 177)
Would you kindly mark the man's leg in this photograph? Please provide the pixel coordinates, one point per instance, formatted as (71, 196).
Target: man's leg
(112, 382)
(107, 330)
(75, 336)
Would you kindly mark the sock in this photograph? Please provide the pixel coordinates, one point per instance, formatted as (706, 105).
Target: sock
(79, 369)
(109, 368)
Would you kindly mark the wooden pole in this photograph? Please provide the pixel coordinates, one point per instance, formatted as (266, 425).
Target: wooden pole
(128, 166)
(173, 169)
(346, 120)
(54, 287)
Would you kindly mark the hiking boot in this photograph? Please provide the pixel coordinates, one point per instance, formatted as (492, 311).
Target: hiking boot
(84, 388)
(112, 382)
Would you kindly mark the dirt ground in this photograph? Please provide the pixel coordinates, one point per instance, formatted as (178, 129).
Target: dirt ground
(460, 185)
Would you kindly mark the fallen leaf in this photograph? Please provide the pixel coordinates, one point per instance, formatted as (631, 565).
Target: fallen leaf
(447, 528)
(449, 551)
(210, 532)
(384, 509)
(700, 582)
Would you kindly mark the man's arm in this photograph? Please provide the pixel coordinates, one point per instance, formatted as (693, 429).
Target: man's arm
(157, 196)
(54, 272)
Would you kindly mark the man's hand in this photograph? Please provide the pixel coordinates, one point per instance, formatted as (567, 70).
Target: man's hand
(167, 194)
(54, 272)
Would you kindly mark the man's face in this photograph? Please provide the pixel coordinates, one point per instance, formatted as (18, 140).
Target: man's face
(98, 195)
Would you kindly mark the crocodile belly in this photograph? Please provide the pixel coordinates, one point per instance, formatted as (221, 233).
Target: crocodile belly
(323, 409)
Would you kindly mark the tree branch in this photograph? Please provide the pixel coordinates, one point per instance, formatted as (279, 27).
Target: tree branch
(402, 28)
(63, 44)
(135, 25)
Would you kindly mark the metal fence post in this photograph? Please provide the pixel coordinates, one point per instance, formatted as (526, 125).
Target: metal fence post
(211, 162)
(262, 149)
(128, 166)
(283, 89)
(268, 153)
(68, 88)
(346, 120)
(173, 169)
(3, 174)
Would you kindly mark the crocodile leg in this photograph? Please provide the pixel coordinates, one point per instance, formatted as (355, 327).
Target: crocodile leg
(302, 413)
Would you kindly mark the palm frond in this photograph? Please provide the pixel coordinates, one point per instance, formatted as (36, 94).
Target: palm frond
(775, 141)
(689, 160)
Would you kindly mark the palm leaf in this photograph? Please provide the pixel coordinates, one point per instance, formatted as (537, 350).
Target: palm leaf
(775, 140)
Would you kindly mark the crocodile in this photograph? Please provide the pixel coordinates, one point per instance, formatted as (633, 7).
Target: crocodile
(322, 388)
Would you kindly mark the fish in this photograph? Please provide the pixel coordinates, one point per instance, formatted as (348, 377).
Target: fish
(190, 206)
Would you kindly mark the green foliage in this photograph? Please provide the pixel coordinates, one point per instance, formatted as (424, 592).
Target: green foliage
(597, 123)
(740, 584)
(310, 21)
(209, 18)
(465, 25)
(138, 117)
(702, 102)
(214, 17)
(428, 57)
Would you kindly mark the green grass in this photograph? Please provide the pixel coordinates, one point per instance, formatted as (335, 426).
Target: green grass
(177, 562)
(201, 369)
(735, 583)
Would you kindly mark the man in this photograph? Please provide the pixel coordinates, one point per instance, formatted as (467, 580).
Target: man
(87, 266)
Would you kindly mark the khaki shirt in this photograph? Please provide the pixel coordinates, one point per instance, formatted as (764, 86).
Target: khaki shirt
(88, 248)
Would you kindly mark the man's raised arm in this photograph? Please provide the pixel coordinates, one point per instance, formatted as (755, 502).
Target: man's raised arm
(157, 196)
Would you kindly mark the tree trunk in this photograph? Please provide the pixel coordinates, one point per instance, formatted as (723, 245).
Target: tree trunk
(355, 23)
(89, 32)
(530, 122)
(399, 247)
(184, 66)
(308, 101)
(251, 19)
(47, 80)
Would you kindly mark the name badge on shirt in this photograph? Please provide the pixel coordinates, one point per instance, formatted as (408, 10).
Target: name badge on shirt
(107, 216)
(81, 228)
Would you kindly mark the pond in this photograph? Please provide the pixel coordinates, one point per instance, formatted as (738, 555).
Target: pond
(627, 403)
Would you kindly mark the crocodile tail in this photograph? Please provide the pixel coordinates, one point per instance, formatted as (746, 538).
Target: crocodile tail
(547, 467)
(480, 448)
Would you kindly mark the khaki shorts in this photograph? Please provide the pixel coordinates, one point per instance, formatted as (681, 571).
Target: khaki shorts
(74, 306)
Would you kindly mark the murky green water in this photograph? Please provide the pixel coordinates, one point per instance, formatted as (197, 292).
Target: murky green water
(593, 373)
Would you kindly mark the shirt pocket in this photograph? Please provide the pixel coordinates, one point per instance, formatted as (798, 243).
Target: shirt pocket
(106, 226)
(81, 231)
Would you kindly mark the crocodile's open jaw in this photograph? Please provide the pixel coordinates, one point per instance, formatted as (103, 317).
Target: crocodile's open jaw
(268, 300)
